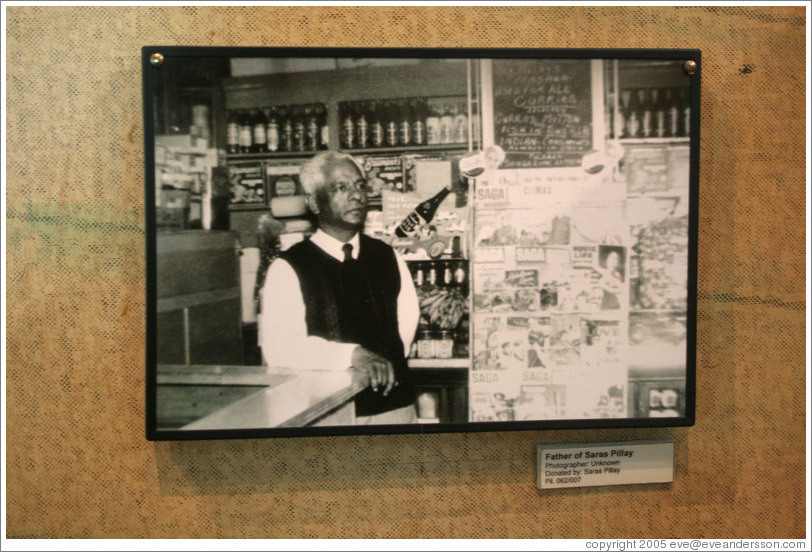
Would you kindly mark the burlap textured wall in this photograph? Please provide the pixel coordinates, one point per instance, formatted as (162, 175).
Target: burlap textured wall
(78, 465)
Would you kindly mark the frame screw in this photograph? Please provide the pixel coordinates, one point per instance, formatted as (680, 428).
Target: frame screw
(156, 59)
(690, 66)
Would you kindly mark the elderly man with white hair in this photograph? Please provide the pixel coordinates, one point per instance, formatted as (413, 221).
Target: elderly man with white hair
(342, 299)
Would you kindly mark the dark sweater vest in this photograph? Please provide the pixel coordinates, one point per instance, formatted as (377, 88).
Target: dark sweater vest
(356, 302)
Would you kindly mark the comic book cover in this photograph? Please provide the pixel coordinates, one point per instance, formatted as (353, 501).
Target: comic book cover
(521, 227)
(541, 402)
(498, 290)
(500, 343)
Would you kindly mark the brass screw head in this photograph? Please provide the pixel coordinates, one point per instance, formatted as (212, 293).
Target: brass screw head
(156, 59)
(690, 66)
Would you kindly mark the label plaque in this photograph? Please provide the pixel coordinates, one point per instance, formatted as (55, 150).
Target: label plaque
(598, 464)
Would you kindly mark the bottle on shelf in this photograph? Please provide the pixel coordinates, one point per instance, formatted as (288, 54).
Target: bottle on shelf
(233, 132)
(432, 125)
(422, 214)
(391, 123)
(633, 119)
(661, 112)
(619, 117)
(461, 124)
(299, 129)
(647, 114)
(448, 274)
(432, 276)
(418, 114)
(418, 275)
(461, 336)
(324, 129)
(474, 124)
(461, 273)
(245, 132)
(673, 112)
(447, 125)
(404, 123)
(286, 127)
(376, 132)
(312, 134)
(361, 125)
(259, 131)
(272, 130)
(685, 112)
(347, 138)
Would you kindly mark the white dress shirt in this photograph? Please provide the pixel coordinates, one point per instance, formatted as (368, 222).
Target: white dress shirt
(284, 338)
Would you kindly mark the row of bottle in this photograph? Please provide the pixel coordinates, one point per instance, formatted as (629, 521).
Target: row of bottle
(296, 128)
(402, 122)
(652, 113)
(451, 273)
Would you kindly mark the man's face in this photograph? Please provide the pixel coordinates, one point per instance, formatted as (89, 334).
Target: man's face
(612, 260)
(342, 201)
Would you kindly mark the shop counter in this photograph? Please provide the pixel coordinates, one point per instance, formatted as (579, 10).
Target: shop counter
(199, 397)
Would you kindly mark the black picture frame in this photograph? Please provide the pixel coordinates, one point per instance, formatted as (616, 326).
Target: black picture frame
(173, 74)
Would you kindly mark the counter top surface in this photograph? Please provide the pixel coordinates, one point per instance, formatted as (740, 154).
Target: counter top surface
(286, 398)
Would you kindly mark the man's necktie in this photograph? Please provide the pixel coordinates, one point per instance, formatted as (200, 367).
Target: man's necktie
(347, 248)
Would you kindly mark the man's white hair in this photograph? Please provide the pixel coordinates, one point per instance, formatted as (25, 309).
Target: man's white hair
(313, 172)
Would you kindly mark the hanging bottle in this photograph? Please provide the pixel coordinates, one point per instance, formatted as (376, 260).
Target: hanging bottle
(422, 214)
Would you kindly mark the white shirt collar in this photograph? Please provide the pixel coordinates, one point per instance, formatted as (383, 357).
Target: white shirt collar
(333, 246)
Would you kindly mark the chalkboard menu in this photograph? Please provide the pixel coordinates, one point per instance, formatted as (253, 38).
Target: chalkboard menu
(542, 111)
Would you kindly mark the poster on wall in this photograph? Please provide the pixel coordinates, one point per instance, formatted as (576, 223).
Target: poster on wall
(419, 241)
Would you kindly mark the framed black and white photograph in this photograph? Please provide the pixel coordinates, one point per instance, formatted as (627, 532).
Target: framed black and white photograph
(353, 241)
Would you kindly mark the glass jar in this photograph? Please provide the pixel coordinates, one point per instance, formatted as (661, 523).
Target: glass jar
(444, 344)
(426, 347)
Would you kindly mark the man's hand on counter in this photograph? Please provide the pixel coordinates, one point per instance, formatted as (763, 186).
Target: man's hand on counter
(380, 371)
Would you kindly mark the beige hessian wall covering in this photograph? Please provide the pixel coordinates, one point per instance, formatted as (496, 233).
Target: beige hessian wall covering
(78, 465)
